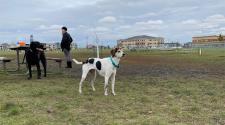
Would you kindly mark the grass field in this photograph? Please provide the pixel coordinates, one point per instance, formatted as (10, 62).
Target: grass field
(153, 88)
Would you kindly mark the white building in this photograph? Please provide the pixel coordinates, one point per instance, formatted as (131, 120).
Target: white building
(141, 42)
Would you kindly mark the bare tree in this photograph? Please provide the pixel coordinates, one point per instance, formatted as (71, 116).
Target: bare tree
(220, 38)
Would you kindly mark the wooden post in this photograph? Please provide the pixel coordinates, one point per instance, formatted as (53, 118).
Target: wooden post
(18, 59)
(97, 51)
(200, 51)
(4, 65)
(97, 47)
(60, 64)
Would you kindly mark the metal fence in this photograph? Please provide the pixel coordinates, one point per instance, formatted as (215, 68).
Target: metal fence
(209, 45)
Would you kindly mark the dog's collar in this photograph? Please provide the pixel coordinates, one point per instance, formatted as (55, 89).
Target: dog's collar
(113, 62)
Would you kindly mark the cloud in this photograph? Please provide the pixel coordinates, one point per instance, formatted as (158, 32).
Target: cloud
(40, 20)
(108, 19)
(99, 29)
(151, 22)
(190, 22)
(218, 18)
(140, 16)
(210, 22)
(50, 27)
(111, 19)
(209, 25)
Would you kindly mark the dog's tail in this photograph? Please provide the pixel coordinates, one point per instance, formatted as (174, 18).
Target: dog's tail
(77, 62)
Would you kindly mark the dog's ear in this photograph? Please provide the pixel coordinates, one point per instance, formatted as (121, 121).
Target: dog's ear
(113, 52)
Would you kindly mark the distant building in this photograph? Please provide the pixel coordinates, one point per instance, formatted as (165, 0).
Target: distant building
(188, 45)
(57, 46)
(91, 46)
(209, 41)
(141, 42)
(51, 46)
(4, 46)
(31, 38)
(74, 45)
(172, 45)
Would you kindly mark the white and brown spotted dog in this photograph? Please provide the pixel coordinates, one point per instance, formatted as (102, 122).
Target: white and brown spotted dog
(106, 67)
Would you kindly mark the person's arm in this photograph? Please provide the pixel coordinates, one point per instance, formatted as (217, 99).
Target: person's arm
(71, 39)
(66, 41)
(63, 42)
(64, 38)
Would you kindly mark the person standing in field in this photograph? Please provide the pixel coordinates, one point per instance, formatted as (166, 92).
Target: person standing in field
(66, 46)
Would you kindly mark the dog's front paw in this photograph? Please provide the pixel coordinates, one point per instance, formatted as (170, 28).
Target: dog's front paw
(80, 91)
(114, 94)
(106, 94)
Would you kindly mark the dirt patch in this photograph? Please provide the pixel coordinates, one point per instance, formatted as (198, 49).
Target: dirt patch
(162, 67)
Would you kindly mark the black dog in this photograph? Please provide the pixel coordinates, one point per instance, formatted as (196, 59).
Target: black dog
(34, 55)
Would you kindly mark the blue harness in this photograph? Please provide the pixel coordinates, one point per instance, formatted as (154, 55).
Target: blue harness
(113, 62)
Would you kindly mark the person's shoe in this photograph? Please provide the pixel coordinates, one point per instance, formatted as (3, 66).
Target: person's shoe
(69, 65)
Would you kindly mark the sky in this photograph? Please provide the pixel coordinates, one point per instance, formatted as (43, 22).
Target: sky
(110, 20)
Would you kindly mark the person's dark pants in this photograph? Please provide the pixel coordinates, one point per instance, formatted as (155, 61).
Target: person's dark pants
(68, 58)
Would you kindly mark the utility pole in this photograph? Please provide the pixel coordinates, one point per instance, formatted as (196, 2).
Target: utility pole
(87, 42)
(97, 47)
(31, 38)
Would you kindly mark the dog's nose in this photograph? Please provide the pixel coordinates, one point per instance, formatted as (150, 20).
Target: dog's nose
(124, 54)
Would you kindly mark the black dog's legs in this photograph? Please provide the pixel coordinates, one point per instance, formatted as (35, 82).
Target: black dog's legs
(30, 71)
(44, 66)
(44, 63)
(29, 56)
(38, 71)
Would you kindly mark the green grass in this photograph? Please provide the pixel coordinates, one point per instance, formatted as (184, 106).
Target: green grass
(139, 101)
(175, 99)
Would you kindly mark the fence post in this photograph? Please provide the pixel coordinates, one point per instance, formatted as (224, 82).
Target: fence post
(200, 51)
